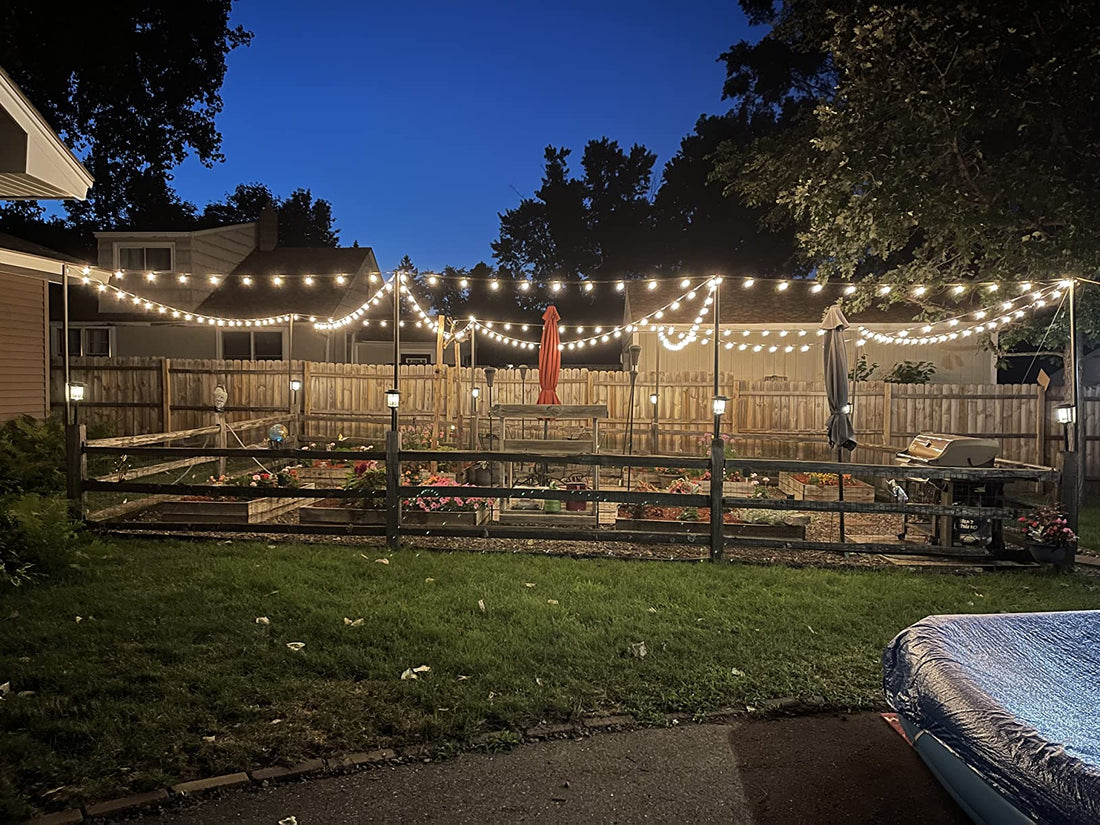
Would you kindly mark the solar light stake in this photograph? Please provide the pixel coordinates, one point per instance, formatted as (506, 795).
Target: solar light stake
(393, 401)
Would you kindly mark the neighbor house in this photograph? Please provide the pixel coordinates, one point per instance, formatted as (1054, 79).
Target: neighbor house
(229, 273)
(34, 165)
(771, 331)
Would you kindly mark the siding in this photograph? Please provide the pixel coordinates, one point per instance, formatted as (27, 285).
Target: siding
(218, 252)
(23, 355)
(955, 362)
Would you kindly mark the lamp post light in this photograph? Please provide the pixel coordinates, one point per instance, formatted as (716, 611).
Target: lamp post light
(393, 401)
(718, 407)
(295, 385)
(1066, 415)
(76, 391)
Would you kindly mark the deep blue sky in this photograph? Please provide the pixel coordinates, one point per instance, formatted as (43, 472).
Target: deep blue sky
(421, 121)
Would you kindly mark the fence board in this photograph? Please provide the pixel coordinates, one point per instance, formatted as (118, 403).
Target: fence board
(783, 419)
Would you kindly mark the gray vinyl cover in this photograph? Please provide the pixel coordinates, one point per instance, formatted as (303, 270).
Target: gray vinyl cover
(1016, 696)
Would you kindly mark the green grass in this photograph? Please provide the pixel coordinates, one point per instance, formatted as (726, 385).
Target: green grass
(1089, 528)
(168, 650)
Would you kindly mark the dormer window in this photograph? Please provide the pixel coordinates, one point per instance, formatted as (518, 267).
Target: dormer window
(145, 258)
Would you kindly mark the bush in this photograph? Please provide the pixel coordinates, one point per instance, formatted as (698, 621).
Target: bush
(911, 372)
(32, 456)
(37, 538)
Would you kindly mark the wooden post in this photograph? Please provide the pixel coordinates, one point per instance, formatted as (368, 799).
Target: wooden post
(307, 398)
(717, 477)
(437, 384)
(735, 405)
(887, 436)
(75, 468)
(165, 395)
(1041, 427)
(393, 480)
(221, 441)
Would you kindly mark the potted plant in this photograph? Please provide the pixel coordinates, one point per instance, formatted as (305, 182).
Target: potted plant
(1048, 537)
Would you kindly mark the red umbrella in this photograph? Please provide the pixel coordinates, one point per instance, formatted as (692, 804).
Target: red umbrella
(549, 358)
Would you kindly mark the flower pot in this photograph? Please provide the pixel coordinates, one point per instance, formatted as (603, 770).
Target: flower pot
(1059, 555)
(551, 505)
(576, 506)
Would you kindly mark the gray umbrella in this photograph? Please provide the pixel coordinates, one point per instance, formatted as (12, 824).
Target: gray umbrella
(841, 431)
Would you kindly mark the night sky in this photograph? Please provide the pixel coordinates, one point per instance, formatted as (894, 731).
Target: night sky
(421, 121)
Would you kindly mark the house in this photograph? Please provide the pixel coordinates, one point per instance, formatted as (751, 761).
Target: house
(229, 273)
(769, 330)
(34, 165)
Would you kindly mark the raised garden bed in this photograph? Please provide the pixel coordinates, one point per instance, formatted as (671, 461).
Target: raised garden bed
(252, 511)
(324, 476)
(734, 489)
(802, 490)
(729, 529)
(410, 517)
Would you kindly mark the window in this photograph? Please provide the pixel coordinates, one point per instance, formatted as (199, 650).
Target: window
(252, 346)
(145, 258)
(91, 341)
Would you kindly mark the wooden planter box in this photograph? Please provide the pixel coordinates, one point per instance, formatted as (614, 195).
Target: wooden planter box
(756, 531)
(410, 518)
(734, 489)
(253, 511)
(854, 490)
(324, 476)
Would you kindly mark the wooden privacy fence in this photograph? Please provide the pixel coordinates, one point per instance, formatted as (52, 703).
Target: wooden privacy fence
(765, 418)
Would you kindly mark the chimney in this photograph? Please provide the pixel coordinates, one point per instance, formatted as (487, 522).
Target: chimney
(267, 229)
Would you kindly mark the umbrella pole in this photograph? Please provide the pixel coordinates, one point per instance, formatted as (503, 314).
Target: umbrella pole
(840, 489)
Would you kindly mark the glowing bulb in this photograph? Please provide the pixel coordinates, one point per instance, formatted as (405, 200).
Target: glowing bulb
(652, 285)
(920, 290)
(748, 282)
(150, 276)
(993, 287)
(341, 280)
(816, 288)
(493, 285)
(684, 284)
(619, 286)
(782, 286)
(463, 283)
(555, 286)
(884, 290)
(309, 280)
(277, 280)
(588, 286)
(959, 289)
(848, 290)
(213, 279)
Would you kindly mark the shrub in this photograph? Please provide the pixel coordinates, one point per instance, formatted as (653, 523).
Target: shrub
(911, 372)
(32, 456)
(37, 537)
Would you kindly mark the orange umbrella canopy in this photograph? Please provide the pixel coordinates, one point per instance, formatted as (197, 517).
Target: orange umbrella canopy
(549, 357)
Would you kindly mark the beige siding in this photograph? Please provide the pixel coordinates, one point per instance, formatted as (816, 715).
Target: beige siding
(165, 341)
(219, 251)
(23, 354)
(955, 362)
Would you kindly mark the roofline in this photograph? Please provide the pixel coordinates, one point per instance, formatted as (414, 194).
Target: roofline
(71, 160)
(119, 233)
(50, 269)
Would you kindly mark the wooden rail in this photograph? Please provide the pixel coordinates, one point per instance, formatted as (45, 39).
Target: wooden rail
(394, 492)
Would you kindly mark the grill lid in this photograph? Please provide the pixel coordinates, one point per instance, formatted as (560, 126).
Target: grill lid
(937, 449)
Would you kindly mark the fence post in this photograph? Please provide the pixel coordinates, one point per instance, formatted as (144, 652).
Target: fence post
(393, 480)
(166, 395)
(887, 398)
(717, 479)
(75, 468)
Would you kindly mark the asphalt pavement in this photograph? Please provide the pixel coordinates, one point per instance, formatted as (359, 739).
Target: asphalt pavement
(819, 769)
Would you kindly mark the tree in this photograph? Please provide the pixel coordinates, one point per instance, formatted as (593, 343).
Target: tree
(594, 226)
(133, 86)
(704, 230)
(303, 221)
(930, 142)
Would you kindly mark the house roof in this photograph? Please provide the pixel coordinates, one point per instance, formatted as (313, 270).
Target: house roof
(34, 163)
(763, 303)
(233, 298)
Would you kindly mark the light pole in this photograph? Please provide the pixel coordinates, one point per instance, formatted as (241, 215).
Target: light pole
(631, 356)
(490, 374)
(655, 403)
(523, 398)
(475, 393)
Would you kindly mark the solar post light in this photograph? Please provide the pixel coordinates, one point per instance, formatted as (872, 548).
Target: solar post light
(718, 407)
(393, 401)
(295, 385)
(1066, 415)
(76, 390)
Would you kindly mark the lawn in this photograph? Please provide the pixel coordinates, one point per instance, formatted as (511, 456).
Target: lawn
(149, 666)
(1089, 528)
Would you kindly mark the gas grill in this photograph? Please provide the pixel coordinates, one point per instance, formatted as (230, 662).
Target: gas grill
(939, 450)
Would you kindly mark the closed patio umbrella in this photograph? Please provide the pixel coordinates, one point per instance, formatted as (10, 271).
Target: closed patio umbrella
(840, 429)
(549, 358)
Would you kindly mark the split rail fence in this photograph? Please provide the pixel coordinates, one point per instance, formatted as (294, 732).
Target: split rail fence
(765, 418)
(395, 527)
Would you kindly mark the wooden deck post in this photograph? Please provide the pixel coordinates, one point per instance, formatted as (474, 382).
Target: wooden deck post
(393, 480)
(717, 477)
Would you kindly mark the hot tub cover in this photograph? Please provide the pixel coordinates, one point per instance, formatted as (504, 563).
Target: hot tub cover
(1016, 696)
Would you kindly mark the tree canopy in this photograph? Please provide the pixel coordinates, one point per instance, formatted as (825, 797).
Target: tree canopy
(303, 221)
(132, 85)
(926, 142)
